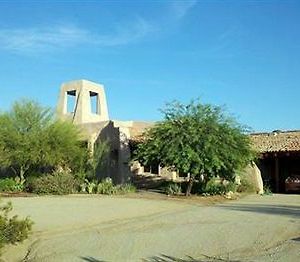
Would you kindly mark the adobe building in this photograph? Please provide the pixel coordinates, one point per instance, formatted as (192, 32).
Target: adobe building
(279, 159)
(84, 103)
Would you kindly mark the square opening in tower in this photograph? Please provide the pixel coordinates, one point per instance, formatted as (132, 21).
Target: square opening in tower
(95, 104)
(71, 101)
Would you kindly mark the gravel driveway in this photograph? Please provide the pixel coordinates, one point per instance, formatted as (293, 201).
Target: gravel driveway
(99, 228)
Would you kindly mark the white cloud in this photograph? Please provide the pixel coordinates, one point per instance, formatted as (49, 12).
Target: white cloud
(181, 8)
(40, 39)
(125, 34)
(43, 39)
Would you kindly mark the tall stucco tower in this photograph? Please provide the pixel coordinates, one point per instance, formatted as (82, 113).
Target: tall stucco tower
(82, 101)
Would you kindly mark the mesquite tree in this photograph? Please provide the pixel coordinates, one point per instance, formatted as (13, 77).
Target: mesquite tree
(197, 139)
(31, 137)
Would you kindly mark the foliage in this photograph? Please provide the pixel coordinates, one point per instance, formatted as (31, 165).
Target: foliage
(30, 182)
(173, 189)
(245, 186)
(30, 137)
(125, 189)
(214, 187)
(12, 229)
(63, 146)
(58, 183)
(198, 139)
(81, 175)
(88, 186)
(268, 190)
(10, 185)
(106, 187)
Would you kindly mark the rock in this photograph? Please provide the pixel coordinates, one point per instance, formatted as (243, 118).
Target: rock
(229, 195)
(253, 175)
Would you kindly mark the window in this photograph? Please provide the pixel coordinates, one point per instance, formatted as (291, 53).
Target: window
(71, 101)
(94, 100)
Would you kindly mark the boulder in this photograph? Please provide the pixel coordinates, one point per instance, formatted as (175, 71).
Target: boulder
(252, 175)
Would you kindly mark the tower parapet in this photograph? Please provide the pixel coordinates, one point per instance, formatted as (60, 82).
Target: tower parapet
(82, 101)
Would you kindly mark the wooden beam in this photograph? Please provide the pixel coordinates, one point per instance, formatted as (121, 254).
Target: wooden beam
(277, 174)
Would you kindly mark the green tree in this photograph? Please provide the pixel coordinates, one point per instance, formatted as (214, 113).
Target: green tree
(30, 137)
(197, 139)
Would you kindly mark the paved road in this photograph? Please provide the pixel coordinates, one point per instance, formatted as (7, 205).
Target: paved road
(97, 228)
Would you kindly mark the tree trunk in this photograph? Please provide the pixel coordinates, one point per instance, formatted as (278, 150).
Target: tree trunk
(22, 172)
(190, 185)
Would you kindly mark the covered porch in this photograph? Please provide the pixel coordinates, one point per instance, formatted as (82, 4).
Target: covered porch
(279, 160)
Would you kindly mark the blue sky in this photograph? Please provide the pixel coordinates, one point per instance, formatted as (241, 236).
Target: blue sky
(242, 54)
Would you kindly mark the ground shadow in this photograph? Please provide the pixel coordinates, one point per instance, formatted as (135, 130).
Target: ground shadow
(290, 211)
(91, 259)
(296, 239)
(166, 258)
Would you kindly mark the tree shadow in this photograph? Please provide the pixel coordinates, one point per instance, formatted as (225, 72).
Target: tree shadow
(296, 239)
(166, 258)
(290, 211)
(91, 259)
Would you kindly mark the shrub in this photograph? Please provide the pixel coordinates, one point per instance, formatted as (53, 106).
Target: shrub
(231, 186)
(107, 187)
(80, 176)
(126, 188)
(173, 189)
(214, 187)
(267, 190)
(12, 230)
(30, 182)
(58, 183)
(245, 186)
(88, 186)
(10, 185)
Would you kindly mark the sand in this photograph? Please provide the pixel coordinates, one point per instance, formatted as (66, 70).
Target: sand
(135, 228)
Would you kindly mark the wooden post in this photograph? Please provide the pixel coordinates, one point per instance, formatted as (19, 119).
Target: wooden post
(276, 173)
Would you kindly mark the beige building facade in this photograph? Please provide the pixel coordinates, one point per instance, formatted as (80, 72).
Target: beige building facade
(84, 103)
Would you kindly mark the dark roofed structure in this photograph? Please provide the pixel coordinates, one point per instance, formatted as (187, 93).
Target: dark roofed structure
(276, 141)
(279, 157)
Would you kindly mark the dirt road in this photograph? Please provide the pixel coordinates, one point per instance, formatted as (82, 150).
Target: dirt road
(99, 228)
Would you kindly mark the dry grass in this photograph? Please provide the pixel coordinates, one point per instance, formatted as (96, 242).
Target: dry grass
(194, 199)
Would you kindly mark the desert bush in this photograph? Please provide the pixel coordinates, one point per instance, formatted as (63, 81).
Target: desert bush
(231, 186)
(58, 183)
(29, 183)
(214, 187)
(267, 190)
(107, 187)
(10, 185)
(125, 188)
(80, 175)
(88, 186)
(173, 189)
(245, 186)
(12, 229)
